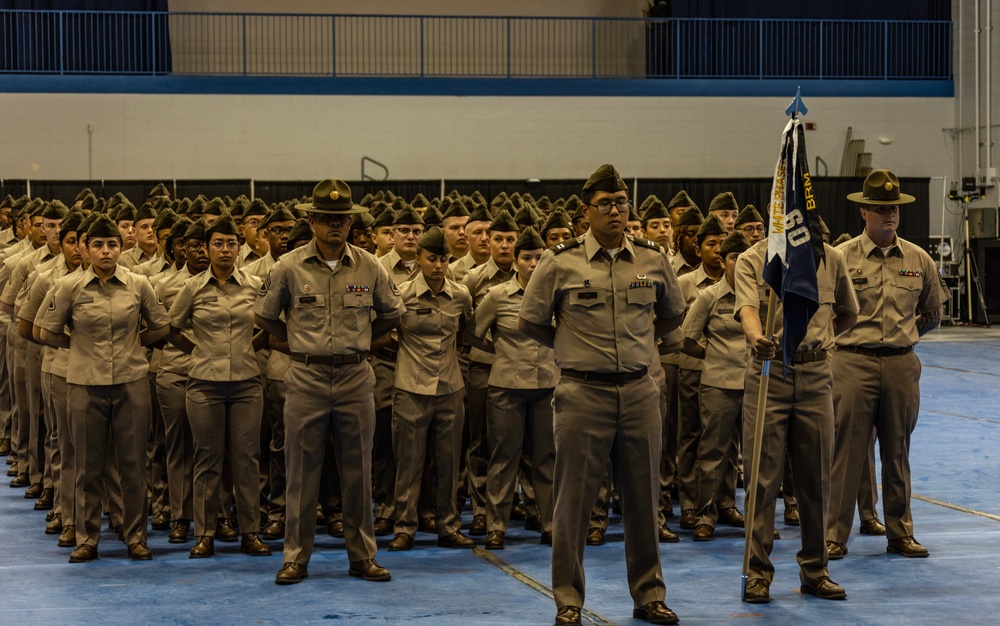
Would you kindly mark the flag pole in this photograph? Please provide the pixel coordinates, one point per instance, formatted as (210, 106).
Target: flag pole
(794, 109)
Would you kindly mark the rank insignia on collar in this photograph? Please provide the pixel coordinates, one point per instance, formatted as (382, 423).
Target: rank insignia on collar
(305, 287)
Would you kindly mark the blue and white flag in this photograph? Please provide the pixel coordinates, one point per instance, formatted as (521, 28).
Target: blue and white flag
(794, 239)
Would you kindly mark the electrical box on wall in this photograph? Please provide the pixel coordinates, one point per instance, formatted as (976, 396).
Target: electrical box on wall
(987, 176)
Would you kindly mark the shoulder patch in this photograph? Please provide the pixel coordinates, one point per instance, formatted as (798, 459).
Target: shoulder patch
(646, 243)
(566, 245)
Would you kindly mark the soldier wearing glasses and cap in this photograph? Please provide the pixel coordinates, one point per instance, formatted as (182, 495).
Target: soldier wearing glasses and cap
(328, 291)
(876, 374)
(611, 296)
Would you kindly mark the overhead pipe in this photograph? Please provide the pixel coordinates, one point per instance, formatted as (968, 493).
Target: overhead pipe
(979, 149)
(990, 174)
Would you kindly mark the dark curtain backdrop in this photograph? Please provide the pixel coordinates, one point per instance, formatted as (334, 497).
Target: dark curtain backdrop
(85, 43)
(796, 9)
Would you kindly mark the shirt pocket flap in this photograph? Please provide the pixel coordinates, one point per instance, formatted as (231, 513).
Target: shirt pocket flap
(588, 297)
(356, 300)
(641, 295)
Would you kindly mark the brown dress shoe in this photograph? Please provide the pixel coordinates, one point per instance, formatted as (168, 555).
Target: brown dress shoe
(336, 529)
(757, 591)
(494, 540)
(290, 574)
(835, 551)
(428, 525)
(203, 548)
(83, 554)
(55, 526)
(732, 517)
(703, 532)
(456, 540)
(906, 546)
(368, 569)
(516, 511)
(275, 529)
(401, 542)
(533, 523)
(667, 535)
(595, 536)
(4, 446)
(224, 531)
(824, 588)
(382, 527)
(478, 525)
(51, 513)
(44, 501)
(138, 551)
(251, 544)
(161, 521)
(655, 612)
(568, 615)
(179, 533)
(12, 470)
(873, 526)
(67, 538)
(689, 519)
(34, 491)
(546, 539)
(791, 515)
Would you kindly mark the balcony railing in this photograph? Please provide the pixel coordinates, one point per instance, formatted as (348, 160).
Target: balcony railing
(227, 44)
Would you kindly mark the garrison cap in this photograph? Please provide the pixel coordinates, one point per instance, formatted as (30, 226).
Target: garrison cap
(645, 203)
(87, 221)
(691, 217)
(331, 197)
(35, 208)
(655, 210)
(116, 200)
(420, 202)
(881, 187)
(606, 178)
(125, 213)
(159, 190)
(681, 199)
(527, 216)
(503, 223)
(748, 215)
(165, 219)
(478, 197)
(573, 206)
(100, 205)
(725, 201)
(145, 212)
(434, 241)
(529, 239)
(83, 194)
(179, 228)
(302, 231)
(239, 206)
(54, 210)
(398, 204)
(408, 215)
(558, 219)
(457, 209)
(196, 230)
(257, 207)
(480, 214)
(544, 204)
(89, 202)
(735, 242)
(102, 226)
(362, 221)
(384, 218)
(367, 200)
(70, 224)
(225, 225)
(183, 206)
(197, 206)
(499, 199)
(7, 202)
(711, 226)
(215, 206)
(432, 216)
(280, 214)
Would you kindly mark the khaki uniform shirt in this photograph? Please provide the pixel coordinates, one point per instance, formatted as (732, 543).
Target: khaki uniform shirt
(328, 312)
(24, 265)
(428, 348)
(7, 238)
(604, 308)
(520, 362)
(836, 296)
(167, 285)
(221, 316)
(134, 256)
(479, 280)
(892, 290)
(152, 266)
(681, 266)
(398, 272)
(462, 267)
(38, 286)
(711, 321)
(104, 345)
(246, 255)
(273, 362)
(691, 285)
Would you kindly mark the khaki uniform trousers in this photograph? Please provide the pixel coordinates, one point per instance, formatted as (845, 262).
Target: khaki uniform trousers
(101, 414)
(64, 460)
(5, 393)
(274, 400)
(20, 416)
(177, 442)
(477, 455)
(39, 470)
(156, 454)
(593, 423)
(513, 416)
(320, 400)
(425, 427)
(225, 422)
(884, 393)
(668, 456)
(383, 459)
(799, 419)
(52, 456)
(688, 435)
(721, 418)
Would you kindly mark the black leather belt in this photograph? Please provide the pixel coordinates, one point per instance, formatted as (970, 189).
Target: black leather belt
(877, 352)
(482, 366)
(606, 378)
(333, 359)
(386, 354)
(809, 356)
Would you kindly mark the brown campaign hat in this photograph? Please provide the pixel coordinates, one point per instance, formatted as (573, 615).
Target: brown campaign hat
(725, 201)
(748, 215)
(691, 217)
(606, 178)
(332, 197)
(881, 187)
(735, 242)
(302, 231)
(681, 199)
(434, 241)
(529, 239)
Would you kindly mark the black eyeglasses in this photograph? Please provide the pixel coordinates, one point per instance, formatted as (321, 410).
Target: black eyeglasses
(278, 230)
(604, 206)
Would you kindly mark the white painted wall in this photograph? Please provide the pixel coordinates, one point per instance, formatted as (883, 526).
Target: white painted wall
(44, 136)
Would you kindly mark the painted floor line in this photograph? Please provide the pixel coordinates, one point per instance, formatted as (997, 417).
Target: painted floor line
(535, 584)
(957, 369)
(956, 507)
(967, 417)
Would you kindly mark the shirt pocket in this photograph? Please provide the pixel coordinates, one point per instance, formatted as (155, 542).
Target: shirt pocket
(907, 291)
(588, 310)
(357, 310)
(640, 302)
(311, 309)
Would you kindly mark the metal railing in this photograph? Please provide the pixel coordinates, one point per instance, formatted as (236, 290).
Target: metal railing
(228, 44)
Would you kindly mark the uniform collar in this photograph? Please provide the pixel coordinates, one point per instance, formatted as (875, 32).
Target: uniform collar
(119, 276)
(868, 246)
(207, 276)
(591, 247)
(310, 251)
(513, 286)
(422, 287)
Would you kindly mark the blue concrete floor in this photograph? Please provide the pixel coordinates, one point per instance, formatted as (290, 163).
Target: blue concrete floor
(956, 508)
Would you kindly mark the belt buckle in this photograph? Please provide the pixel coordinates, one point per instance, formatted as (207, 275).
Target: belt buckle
(306, 359)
